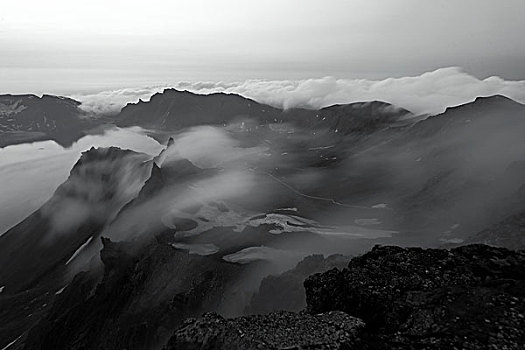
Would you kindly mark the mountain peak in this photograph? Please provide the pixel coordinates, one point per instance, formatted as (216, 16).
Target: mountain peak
(175, 109)
(492, 101)
(57, 98)
(38, 99)
(103, 153)
(176, 93)
(493, 98)
(373, 107)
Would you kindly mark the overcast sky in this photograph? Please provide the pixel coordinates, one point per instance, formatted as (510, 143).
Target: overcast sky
(62, 46)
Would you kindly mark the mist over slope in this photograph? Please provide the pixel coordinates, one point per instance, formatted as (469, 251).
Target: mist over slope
(100, 183)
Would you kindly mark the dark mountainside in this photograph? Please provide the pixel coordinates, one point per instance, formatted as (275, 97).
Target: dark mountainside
(483, 109)
(29, 118)
(36, 255)
(131, 246)
(141, 297)
(93, 193)
(174, 110)
(456, 173)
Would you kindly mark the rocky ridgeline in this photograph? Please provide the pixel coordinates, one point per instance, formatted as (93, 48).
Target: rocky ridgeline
(471, 297)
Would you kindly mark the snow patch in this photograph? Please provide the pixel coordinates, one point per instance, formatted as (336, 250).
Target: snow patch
(380, 206)
(286, 209)
(452, 228)
(197, 249)
(284, 223)
(13, 109)
(12, 343)
(60, 290)
(251, 254)
(208, 217)
(75, 254)
(452, 240)
(320, 148)
(293, 223)
(367, 222)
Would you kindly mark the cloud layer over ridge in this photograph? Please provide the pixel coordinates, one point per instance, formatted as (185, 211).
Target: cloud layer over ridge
(428, 93)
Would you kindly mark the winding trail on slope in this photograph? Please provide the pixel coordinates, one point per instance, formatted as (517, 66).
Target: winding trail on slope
(296, 191)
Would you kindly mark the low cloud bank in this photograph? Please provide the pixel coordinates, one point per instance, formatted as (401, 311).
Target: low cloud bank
(429, 93)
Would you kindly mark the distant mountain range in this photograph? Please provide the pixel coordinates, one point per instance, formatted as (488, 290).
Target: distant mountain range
(28, 118)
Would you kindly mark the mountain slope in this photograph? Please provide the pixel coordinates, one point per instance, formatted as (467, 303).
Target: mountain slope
(451, 174)
(100, 183)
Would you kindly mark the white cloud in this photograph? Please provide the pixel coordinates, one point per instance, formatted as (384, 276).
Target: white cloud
(429, 93)
(111, 101)
(210, 147)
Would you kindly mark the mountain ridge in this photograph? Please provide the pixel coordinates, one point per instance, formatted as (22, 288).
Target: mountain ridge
(25, 118)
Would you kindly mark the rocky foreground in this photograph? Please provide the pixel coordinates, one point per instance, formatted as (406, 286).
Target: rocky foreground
(471, 297)
(278, 330)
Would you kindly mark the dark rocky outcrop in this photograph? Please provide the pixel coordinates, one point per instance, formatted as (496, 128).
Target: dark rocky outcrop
(470, 297)
(279, 330)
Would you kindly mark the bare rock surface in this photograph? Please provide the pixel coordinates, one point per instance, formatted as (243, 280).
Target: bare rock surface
(279, 330)
(471, 297)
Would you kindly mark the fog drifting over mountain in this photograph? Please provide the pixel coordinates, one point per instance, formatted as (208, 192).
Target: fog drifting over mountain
(429, 93)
